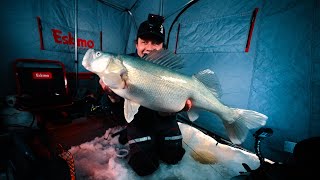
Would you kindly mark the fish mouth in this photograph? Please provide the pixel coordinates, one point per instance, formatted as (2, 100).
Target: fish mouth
(87, 57)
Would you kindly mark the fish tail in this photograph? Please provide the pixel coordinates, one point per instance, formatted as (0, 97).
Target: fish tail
(243, 121)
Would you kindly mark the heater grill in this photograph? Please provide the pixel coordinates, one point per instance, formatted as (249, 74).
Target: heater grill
(67, 156)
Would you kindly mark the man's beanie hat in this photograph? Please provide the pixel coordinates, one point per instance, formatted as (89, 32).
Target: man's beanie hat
(152, 28)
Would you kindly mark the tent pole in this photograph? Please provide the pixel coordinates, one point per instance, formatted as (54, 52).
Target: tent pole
(114, 6)
(76, 42)
(161, 8)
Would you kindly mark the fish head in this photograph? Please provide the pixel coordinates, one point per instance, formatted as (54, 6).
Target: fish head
(107, 66)
(96, 61)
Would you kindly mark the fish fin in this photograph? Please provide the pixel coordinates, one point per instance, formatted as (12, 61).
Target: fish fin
(210, 80)
(243, 121)
(130, 109)
(165, 58)
(114, 80)
(116, 65)
(115, 75)
(193, 114)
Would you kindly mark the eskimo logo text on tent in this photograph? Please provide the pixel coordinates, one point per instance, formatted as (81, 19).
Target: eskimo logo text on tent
(69, 39)
(41, 75)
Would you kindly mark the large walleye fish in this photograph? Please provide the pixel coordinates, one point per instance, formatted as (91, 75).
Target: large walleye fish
(152, 82)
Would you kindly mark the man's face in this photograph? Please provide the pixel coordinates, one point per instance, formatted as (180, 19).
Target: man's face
(146, 46)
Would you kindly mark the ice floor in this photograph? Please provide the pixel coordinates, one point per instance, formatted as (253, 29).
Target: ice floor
(204, 159)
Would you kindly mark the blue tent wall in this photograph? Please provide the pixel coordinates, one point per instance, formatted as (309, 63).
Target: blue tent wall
(315, 75)
(283, 70)
(279, 76)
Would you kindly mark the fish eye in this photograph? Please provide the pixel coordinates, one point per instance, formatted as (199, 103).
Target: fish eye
(98, 53)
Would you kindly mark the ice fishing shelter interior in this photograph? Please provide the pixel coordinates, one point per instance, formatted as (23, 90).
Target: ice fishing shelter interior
(265, 53)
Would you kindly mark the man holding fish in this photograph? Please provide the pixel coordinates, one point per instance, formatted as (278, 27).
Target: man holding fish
(152, 135)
